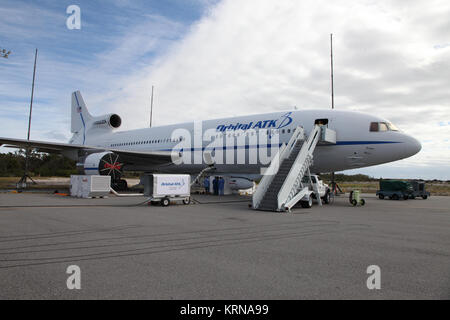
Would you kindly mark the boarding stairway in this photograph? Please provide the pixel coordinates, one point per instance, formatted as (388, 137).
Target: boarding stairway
(281, 186)
(202, 174)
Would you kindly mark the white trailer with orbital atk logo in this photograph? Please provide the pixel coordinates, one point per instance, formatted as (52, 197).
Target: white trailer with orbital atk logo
(164, 188)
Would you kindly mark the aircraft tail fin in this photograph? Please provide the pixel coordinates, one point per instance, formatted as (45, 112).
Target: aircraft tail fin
(80, 114)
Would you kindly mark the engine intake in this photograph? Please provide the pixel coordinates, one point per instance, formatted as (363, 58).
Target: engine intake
(103, 163)
(113, 121)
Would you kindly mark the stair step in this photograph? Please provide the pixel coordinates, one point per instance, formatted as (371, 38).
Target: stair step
(269, 202)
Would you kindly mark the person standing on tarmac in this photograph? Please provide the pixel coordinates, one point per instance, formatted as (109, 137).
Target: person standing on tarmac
(206, 185)
(221, 186)
(216, 186)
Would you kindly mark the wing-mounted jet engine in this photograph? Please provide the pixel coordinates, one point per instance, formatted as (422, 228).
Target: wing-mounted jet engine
(104, 164)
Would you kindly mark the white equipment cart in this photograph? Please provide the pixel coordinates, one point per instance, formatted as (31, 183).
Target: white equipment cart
(164, 188)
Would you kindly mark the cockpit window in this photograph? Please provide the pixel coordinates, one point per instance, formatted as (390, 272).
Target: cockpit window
(382, 126)
(374, 126)
(392, 127)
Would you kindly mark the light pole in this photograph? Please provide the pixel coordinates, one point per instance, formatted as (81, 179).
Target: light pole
(333, 182)
(23, 181)
(151, 108)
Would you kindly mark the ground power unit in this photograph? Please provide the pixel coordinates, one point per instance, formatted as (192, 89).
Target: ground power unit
(83, 186)
(164, 188)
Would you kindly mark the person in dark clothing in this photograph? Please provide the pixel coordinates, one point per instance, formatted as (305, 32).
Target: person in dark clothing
(206, 185)
(216, 186)
(221, 186)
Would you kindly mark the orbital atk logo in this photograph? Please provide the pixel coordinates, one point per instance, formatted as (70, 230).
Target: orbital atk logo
(282, 122)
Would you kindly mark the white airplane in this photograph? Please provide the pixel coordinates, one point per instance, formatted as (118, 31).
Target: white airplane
(362, 140)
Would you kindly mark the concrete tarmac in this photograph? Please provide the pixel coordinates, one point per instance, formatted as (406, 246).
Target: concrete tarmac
(221, 249)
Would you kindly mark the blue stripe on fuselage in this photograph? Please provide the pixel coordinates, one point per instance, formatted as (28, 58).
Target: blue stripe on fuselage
(338, 143)
(352, 143)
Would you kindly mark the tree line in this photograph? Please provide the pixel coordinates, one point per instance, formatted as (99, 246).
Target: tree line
(39, 164)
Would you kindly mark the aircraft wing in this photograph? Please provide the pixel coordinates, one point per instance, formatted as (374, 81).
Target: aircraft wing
(135, 157)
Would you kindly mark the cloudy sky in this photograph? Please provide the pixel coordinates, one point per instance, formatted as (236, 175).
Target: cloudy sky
(212, 58)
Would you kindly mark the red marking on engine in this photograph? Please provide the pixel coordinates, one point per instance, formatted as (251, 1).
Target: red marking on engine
(113, 166)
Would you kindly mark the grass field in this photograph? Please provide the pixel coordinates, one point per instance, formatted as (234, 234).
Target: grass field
(42, 183)
(436, 189)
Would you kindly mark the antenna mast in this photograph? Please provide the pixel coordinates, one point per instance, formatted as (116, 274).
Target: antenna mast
(332, 73)
(23, 181)
(333, 182)
(151, 109)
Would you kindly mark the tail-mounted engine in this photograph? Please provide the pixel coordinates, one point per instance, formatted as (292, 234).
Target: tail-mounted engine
(109, 121)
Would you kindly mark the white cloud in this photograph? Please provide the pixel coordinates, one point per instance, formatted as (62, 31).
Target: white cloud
(260, 56)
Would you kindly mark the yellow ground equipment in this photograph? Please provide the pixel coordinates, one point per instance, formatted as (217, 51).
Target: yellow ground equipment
(355, 198)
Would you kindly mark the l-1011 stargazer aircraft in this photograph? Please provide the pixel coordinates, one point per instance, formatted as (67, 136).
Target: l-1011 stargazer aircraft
(361, 140)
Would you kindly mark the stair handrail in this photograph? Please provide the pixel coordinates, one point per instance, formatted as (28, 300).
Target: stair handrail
(295, 175)
(283, 153)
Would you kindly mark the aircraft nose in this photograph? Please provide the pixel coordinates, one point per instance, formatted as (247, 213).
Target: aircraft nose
(413, 145)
